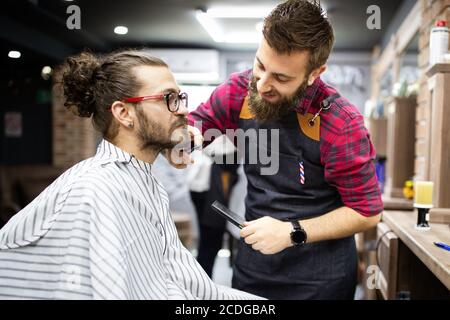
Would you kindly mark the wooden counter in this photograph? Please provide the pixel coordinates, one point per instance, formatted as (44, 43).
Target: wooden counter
(437, 260)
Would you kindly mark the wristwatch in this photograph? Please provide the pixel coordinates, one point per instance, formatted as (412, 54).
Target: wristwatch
(298, 234)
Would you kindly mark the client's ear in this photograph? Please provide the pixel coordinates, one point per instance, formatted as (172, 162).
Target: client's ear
(123, 113)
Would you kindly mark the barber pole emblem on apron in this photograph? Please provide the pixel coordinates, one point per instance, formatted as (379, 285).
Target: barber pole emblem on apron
(302, 173)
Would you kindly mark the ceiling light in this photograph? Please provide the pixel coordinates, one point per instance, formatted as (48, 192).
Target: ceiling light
(121, 30)
(46, 72)
(210, 25)
(239, 12)
(14, 54)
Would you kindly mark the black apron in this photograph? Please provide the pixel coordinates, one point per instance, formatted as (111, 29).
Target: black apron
(321, 270)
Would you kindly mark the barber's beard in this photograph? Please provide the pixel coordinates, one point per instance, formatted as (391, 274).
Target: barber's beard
(265, 111)
(152, 135)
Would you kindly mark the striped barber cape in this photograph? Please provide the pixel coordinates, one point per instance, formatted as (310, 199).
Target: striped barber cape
(102, 230)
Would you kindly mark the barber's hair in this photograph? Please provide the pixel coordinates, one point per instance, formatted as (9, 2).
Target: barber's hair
(92, 83)
(299, 25)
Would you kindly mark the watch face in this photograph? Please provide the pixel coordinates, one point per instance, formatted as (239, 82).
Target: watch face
(298, 237)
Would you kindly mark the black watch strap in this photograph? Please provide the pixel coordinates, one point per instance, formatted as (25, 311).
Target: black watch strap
(296, 225)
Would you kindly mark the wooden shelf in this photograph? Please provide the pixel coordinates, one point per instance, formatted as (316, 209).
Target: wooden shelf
(438, 68)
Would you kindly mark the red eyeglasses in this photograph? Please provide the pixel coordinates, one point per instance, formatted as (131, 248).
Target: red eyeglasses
(173, 99)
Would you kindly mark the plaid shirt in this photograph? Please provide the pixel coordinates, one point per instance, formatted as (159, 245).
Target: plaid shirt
(347, 153)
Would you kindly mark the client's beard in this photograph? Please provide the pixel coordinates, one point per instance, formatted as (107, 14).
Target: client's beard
(265, 111)
(153, 136)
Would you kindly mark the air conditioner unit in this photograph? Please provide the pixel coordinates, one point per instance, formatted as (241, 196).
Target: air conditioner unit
(191, 65)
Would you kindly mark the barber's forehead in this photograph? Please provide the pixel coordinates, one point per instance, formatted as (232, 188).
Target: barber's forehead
(270, 58)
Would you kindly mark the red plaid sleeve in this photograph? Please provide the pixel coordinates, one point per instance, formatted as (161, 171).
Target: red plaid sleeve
(349, 166)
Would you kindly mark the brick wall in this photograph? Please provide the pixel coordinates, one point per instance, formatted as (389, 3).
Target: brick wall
(73, 137)
(432, 10)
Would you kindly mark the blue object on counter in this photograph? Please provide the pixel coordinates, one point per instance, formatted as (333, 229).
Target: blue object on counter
(442, 245)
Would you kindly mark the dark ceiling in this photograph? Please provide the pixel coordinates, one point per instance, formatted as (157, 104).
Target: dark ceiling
(38, 27)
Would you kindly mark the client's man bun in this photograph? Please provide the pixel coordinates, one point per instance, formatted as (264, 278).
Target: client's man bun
(79, 82)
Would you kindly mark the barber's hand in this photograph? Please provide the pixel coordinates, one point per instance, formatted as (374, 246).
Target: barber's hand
(267, 235)
(178, 157)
